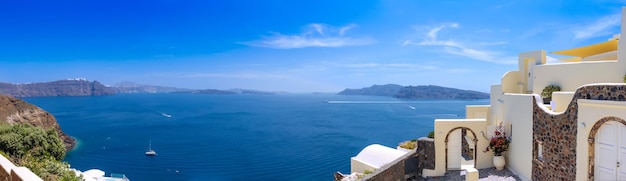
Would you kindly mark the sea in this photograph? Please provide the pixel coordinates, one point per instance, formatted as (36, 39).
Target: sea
(237, 137)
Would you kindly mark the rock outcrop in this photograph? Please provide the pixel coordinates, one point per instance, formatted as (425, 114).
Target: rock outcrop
(70, 87)
(14, 110)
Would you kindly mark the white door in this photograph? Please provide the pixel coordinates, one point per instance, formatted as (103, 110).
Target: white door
(610, 151)
(454, 149)
(621, 157)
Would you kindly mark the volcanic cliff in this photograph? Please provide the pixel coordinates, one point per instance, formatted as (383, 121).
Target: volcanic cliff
(70, 87)
(14, 110)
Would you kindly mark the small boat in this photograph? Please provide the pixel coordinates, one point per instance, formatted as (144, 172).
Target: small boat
(166, 115)
(150, 151)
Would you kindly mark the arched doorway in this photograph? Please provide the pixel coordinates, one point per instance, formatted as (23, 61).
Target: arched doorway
(607, 149)
(461, 148)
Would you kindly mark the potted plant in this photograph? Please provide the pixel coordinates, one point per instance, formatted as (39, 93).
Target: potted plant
(499, 143)
(546, 94)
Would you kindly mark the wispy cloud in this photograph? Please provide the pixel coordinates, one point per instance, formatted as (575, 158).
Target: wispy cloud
(597, 28)
(314, 35)
(550, 59)
(430, 38)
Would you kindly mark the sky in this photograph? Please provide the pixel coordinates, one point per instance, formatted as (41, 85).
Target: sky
(294, 46)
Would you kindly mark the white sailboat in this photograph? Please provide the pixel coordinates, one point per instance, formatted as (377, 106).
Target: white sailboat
(150, 151)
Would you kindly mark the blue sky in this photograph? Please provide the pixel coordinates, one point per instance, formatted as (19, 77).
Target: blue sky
(295, 46)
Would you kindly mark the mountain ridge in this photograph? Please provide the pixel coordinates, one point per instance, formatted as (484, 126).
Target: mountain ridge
(68, 87)
(416, 92)
(374, 90)
(128, 87)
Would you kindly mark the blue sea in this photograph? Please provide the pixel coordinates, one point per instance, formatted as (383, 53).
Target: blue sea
(237, 137)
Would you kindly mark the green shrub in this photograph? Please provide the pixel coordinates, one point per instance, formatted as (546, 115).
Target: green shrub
(41, 151)
(547, 91)
(412, 144)
(431, 134)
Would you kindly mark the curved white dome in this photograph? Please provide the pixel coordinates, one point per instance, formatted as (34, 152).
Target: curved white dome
(377, 155)
(93, 173)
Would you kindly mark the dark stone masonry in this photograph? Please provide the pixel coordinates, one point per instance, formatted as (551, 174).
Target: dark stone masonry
(553, 134)
(394, 172)
(426, 152)
(410, 166)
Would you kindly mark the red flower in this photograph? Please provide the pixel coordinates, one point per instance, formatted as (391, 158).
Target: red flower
(498, 143)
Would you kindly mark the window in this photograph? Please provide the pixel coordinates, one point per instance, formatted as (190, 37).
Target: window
(539, 150)
(511, 133)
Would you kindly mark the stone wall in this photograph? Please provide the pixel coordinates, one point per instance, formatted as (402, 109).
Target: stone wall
(393, 172)
(410, 165)
(426, 154)
(556, 131)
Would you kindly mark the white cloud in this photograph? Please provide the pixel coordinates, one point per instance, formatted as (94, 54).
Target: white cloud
(599, 27)
(458, 48)
(319, 28)
(550, 59)
(343, 30)
(315, 35)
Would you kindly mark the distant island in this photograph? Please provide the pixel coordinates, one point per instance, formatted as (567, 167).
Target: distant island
(131, 87)
(416, 92)
(83, 87)
(375, 90)
(69, 87)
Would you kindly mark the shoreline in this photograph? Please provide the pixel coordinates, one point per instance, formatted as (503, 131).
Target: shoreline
(77, 143)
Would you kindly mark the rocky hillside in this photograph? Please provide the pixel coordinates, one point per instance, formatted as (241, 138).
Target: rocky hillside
(14, 110)
(375, 90)
(130, 87)
(416, 92)
(438, 92)
(70, 87)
